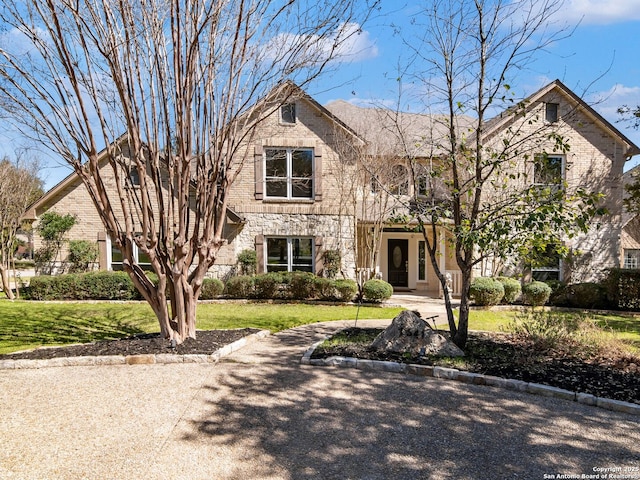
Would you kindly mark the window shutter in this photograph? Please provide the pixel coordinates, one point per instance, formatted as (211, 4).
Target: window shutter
(260, 267)
(259, 171)
(319, 251)
(317, 173)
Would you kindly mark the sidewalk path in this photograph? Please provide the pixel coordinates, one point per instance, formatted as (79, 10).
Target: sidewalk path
(259, 414)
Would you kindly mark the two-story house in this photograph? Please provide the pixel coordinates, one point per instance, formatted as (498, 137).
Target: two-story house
(309, 189)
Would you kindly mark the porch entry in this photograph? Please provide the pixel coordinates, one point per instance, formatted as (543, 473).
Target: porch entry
(398, 262)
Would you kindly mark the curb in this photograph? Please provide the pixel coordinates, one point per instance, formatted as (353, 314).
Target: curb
(470, 378)
(147, 359)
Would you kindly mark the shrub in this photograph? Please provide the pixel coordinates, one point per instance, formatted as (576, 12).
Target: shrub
(332, 261)
(536, 293)
(248, 261)
(512, 289)
(267, 285)
(376, 290)
(486, 291)
(623, 288)
(345, 289)
(240, 286)
(580, 295)
(544, 331)
(325, 288)
(82, 254)
(88, 286)
(211, 288)
(302, 285)
(106, 286)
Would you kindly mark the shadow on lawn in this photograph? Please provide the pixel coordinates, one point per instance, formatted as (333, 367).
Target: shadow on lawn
(314, 422)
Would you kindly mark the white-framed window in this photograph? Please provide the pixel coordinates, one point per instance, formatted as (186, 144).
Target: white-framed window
(546, 265)
(115, 257)
(422, 260)
(551, 112)
(288, 113)
(631, 258)
(289, 173)
(399, 180)
(134, 177)
(289, 254)
(548, 170)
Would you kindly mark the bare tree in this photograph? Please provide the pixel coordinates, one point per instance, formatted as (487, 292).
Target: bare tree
(364, 176)
(490, 207)
(19, 187)
(173, 92)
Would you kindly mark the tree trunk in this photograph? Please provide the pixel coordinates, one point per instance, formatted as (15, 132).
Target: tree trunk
(5, 283)
(462, 333)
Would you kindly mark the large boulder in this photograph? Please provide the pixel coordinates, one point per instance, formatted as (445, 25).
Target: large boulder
(408, 333)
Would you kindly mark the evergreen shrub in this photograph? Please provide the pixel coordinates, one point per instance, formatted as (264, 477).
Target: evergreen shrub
(486, 291)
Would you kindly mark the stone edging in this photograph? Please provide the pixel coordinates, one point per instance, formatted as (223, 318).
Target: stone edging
(146, 359)
(472, 378)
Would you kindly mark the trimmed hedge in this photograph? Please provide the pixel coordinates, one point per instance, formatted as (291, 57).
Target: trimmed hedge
(101, 285)
(302, 286)
(581, 295)
(623, 288)
(376, 290)
(239, 287)
(267, 285)
(535, 293)
(486, 291)
(512, 289)
(325, 288)
(345, 289)
(211, 288)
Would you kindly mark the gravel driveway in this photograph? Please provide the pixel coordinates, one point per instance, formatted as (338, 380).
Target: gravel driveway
(259, 414)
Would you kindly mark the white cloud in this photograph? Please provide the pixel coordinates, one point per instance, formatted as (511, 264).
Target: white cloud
(348, 43)
(607, 102)
(600, 12)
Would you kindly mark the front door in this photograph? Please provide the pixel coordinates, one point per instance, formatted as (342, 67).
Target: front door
(398, 262)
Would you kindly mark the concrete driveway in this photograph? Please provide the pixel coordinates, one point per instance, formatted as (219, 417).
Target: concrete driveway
(259, 414)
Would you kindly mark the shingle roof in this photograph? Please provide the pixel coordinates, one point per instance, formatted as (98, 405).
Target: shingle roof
(423, 135)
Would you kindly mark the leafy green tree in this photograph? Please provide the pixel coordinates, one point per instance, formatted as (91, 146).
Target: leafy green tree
(19, 187)
(82, 254)
(52, 228)
(482, 197)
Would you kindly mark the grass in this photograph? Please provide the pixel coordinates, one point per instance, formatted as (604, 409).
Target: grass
(25, 325)
(623, 327)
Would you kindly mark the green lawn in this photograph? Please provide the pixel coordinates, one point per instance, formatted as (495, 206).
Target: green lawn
(625, 327)
(25, 325)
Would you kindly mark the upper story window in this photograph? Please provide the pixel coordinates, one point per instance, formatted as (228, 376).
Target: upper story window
(134, 177)
(289, 173)
(631, 258)
(551, 112)
(548, 170)
(288, 113)
(399, 180)
(422, 186)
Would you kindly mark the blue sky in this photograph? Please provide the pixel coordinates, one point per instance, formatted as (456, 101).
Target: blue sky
(600, 61)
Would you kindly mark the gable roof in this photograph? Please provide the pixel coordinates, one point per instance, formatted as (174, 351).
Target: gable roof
(498, 122)
(279, 93)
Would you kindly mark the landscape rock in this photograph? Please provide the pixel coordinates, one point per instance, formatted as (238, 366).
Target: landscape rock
(408, 333)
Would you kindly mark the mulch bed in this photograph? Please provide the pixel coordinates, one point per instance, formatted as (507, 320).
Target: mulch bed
(206, 342)
(616, 376)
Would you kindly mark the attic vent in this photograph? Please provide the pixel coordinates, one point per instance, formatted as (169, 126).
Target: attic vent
(288, 113)
(551, 112)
